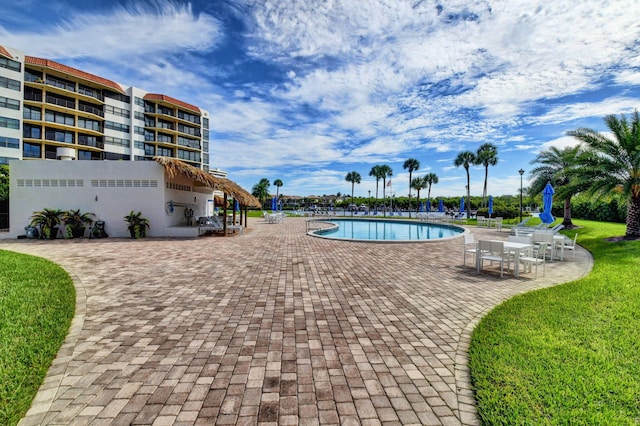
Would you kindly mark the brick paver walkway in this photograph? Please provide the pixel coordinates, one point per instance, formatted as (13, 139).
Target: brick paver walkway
(271, 327)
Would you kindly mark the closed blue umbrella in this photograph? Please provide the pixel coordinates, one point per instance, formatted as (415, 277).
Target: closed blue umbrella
(236, 205)
(490, 205)
(421, 207)
(273, 204)
(428, 205)
(441, 206)
(461, 204)
(547, 203)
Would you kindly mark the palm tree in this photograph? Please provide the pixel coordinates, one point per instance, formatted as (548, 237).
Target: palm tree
(555, 165)
(487, 155)
(419, 183)
(386, 172)
(465, 159)
(278, 183)
(353, 177)
(613, 165)
(377, 173)
(261, 190)
(412, 165)
(431, 179)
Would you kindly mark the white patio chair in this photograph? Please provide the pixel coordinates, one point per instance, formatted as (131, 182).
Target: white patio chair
(569, 244)
(539, 237)
(494, 252)
(470, 247)
(537, 257)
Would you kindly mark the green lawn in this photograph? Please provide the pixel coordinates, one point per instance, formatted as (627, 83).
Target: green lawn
(568, 354)
(37, 302)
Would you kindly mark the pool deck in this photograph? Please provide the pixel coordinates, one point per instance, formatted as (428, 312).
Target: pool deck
(271, 327)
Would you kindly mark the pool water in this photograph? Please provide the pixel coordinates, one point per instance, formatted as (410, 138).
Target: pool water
(386, 230)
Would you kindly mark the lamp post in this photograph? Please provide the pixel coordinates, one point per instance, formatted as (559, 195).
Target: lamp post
(369, 200)
(521, 171)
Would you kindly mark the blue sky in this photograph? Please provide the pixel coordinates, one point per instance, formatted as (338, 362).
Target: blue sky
(307, 91)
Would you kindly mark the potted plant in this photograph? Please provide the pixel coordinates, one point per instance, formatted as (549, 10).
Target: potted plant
(47, 220)
(137, 224)
(76, 222)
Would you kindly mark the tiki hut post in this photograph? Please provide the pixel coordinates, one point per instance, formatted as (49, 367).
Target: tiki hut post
(224, 219)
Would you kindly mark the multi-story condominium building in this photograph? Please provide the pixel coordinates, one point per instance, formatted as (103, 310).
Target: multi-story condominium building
(52, 111)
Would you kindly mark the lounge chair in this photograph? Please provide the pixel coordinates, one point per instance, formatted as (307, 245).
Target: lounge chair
(521, 226)
(568, 244)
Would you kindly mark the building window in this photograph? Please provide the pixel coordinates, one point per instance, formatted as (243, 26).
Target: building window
(117, 111)
(87, 140)
(117, 96)
(6, 142)
(10, 64)
(138, 130)
(205, 146)
(62, 101)
(89, 155)
(31, 113)
(9, 123)
(138, 101)
(205, 122)
(58, 135)
(117, 141)
(138, 115)
(205, 135)
(32, 132)
(188, 155)
(116, 126)
(9, 83)
(89, 124)
(189, 130)
(91, 109)
(58, 117)
(165, 152)
(164, 138)
(31, 94)
(5, 160)
(189, 117)
(166, 111)
(9, 103)
(31, 150)
(61, 83)
(114, 156)
(90, 91)
(191, 143)
(149, 149)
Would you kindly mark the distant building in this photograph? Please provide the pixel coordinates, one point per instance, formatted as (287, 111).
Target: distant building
(52, 111)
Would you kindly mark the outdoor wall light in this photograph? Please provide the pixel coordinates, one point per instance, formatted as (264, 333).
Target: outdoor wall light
(96, 198)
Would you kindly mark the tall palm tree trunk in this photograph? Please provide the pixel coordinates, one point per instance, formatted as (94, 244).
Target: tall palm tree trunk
(484, 190)
(377, 180)
(567, 213)
(633, 218)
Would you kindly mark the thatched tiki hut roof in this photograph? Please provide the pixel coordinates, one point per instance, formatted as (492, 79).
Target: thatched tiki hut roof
(174, 167)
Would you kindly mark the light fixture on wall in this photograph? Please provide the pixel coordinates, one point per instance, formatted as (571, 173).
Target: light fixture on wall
(195, 199)
(96, 198)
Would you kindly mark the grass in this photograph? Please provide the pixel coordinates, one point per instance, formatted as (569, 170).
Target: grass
(568, 354)
(37, 302)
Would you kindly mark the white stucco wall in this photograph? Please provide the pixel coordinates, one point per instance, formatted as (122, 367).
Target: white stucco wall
(109, 189)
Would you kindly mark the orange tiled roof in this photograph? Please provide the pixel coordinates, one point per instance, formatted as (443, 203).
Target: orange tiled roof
(158, 97)
(32, 60)
(5, 52)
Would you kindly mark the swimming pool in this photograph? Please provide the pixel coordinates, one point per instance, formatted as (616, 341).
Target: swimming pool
(385, 230)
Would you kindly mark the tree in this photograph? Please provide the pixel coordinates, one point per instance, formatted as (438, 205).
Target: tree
(353, 177)
(487, 155)
(465, 159)
(386, 172)
(4, 182)
(419, 183)
(555, 165)
(261, 190)
(412, 165)
(431, 179)
(612, 165)
(278, 183)
(376, 172)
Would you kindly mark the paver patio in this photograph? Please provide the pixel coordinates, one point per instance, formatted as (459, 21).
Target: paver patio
(270, 327)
